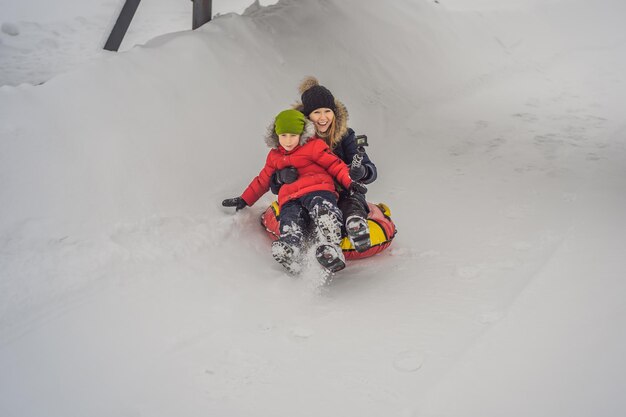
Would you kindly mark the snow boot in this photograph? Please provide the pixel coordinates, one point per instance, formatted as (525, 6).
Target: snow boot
(359, 233)
(330, 257)
(287, 255)
(328, 227)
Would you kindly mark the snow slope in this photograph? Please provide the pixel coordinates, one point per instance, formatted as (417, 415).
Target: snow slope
(498, 131)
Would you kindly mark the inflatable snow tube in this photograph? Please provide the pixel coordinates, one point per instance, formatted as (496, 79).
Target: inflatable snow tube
(382, 229)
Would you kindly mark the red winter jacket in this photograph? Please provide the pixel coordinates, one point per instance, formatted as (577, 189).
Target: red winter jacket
(316, 165)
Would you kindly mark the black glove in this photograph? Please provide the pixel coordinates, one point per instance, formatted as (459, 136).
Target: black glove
(356, 187)
(274, 184)
(237, 202)
(286, 175)
(358, 173)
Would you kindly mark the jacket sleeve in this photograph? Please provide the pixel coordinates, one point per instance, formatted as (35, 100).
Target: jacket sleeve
(324, 157)
(348, 144)
(260, 184)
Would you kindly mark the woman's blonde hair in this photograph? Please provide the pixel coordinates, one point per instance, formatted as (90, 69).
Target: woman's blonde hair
(330, 137)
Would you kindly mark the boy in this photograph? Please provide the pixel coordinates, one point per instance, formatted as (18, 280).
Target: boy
(312, 195)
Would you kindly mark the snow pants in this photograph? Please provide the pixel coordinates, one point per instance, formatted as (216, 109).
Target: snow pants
(297, 215)
(352, 205)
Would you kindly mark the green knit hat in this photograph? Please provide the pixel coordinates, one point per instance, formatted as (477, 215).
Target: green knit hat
(289, 121)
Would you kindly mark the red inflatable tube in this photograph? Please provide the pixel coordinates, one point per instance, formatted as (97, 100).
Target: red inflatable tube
(382, 230)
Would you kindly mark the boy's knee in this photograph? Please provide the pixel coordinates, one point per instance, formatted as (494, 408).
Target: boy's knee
(291, 232)
(323, 206)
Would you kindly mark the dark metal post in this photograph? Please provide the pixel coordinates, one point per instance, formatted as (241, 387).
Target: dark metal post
(201, 13)
(121, 26)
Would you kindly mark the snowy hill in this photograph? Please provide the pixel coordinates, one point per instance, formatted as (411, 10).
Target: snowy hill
(498, 132)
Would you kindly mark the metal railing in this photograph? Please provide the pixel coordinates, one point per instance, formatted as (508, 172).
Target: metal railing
(201, 15)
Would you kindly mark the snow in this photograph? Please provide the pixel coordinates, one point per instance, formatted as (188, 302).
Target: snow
(498, 132)
(56, 36)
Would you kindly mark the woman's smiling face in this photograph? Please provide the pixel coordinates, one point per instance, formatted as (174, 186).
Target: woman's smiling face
(322, 118)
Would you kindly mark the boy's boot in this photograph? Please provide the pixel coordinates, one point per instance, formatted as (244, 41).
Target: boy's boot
(358, 232)
(287, 255)
(328, 252)
(330, 257)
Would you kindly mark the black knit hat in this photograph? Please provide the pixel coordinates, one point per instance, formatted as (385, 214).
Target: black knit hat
(317, 97)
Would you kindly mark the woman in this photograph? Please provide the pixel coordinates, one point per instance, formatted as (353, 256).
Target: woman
(330, 118)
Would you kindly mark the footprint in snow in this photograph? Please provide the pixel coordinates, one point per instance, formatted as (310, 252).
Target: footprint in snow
(10, 29)
(301, 332)
(408, 361)
(522, 246)
(489, 317)
(468, 272)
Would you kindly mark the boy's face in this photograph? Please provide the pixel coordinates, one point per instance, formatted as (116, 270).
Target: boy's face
(288, 140)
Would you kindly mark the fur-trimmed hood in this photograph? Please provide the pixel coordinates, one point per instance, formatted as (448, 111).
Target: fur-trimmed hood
(341, 113)
(271, 138)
